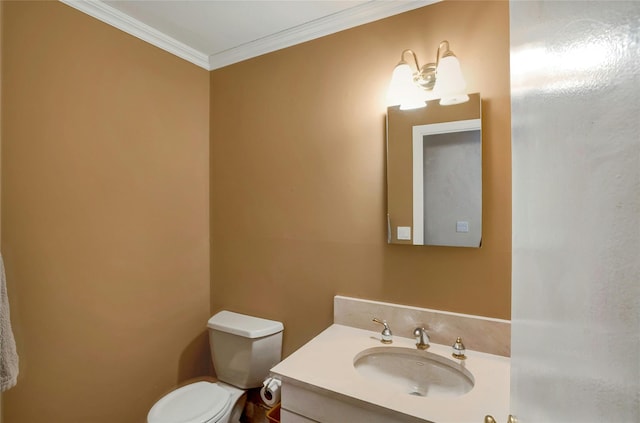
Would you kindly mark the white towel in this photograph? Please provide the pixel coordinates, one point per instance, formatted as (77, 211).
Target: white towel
(8, 354)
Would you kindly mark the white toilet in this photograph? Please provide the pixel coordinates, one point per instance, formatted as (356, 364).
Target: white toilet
(243, 349)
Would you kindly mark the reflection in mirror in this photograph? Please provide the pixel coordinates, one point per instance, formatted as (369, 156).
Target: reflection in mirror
(447, 184)
(434, 175)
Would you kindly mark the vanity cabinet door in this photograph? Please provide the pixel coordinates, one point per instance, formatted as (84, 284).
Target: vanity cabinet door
(287, 416)
(300, 404)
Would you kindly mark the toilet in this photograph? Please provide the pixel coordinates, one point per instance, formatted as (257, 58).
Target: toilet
(243, 349)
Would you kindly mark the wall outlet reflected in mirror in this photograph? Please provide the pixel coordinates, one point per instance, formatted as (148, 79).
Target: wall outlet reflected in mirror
(462, 226)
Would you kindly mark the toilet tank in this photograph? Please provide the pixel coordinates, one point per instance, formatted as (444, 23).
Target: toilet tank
(244, 348)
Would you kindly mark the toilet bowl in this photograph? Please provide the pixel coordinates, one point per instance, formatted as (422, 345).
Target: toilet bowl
(243, 350)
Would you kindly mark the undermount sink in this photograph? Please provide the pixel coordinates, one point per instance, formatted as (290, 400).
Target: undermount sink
(414, 372)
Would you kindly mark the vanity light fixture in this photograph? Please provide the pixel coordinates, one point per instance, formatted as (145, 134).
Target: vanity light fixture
(442, 79)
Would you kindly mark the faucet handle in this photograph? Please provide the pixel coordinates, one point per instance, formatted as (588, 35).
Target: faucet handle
(386, 332)
(422, 338)
(459, 349)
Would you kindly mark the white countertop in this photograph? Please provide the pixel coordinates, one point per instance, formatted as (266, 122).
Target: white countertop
(326, 362)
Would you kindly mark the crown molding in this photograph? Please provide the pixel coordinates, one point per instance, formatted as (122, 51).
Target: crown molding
(349, 18)
(124, 22)
(358, 15)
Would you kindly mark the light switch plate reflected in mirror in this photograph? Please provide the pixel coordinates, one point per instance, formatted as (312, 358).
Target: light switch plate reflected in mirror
(404, 233)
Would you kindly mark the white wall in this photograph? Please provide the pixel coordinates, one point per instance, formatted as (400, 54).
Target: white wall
(575, 84)
(453, 188)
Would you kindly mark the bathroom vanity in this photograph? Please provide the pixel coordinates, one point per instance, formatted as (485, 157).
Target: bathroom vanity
(322, 381)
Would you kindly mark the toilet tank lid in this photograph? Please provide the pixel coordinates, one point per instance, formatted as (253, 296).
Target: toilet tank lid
(243, 325)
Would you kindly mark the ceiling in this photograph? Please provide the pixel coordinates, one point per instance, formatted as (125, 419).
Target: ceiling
(217, 33)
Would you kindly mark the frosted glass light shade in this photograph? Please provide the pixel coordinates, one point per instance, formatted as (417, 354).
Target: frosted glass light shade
(450, 84)
(402, 89)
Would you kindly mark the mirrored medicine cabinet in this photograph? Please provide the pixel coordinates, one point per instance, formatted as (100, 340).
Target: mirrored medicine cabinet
(434, 174)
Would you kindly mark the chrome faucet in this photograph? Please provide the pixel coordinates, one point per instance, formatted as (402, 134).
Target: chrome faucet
(422, 338)
(386, 332)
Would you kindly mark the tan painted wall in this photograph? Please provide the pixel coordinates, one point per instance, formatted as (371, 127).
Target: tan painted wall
(105, 204)
(105, 217)
(298, 175)
(1, 37)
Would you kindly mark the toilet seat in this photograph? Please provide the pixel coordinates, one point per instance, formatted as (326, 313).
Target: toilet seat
(200, 402)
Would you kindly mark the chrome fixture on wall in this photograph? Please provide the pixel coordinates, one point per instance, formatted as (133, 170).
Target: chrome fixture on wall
(442, 79)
